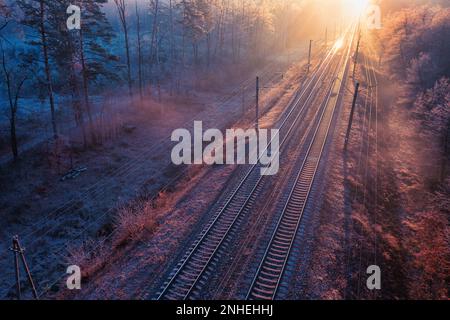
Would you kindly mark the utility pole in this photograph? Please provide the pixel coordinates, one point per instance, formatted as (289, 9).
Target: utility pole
(257, 106)
(18, 250)
(356, 56)
(17, 270)
(355, 96)
(309, 54)
(326, 37)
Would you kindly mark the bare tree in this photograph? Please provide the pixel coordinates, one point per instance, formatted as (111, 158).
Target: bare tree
(139, 50)
(48, 74)
(122, 10)
(154, 4)
(14, 81)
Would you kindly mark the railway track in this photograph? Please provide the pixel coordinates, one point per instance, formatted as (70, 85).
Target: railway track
(186, 279)
(267, 279)
(367, 251)
(232, 283)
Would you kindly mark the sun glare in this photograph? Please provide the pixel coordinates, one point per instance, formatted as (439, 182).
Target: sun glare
(338, 44)
(357, 6)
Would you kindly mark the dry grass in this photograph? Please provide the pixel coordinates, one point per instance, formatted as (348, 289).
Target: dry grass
(90, 257)
(131, 223)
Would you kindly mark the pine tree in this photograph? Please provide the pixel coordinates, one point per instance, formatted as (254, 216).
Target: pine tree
(94, 37)
(81, 56)
(196, 21)
(63, 45)
(122, 11)
(36, 16)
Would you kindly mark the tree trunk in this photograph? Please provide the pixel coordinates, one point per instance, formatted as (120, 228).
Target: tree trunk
(233, 38)
(154, 41)
(172, 36)
(195, 52)
(208, 50)
(127, 48)
(139, 52)
(86, 87)
(121, 8)
(446, 152)
(76, 96)
(172, 49)
(14, 137)
(47, 68)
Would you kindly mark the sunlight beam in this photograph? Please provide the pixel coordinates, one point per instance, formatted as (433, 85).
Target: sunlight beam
(338, 44)
(356, 7)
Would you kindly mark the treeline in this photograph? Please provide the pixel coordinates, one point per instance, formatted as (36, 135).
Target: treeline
(131, 44)
(415, 45)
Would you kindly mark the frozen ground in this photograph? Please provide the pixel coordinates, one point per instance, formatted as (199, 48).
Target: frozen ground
(132, 163)
(136, 270)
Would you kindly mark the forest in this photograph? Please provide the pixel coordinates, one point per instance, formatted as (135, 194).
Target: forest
(414, 44)
(138, 47)
(412, 50)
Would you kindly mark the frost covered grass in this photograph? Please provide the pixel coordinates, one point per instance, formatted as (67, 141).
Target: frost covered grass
(141, 218)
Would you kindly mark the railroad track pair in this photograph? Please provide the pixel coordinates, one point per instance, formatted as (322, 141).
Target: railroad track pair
(186, 279)
(267, 279)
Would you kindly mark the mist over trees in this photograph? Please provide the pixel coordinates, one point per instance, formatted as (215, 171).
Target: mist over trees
(16, 71)
(134, 46)
(415, 55)
(415, 45)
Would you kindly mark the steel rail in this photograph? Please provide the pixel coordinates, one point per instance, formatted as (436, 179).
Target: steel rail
(267, 278)
(192, 272)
